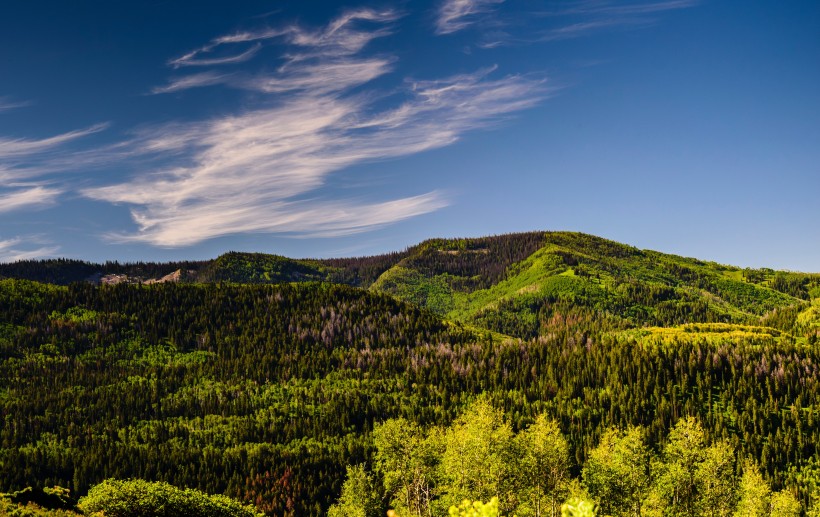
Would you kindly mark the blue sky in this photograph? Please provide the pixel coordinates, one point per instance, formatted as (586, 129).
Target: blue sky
(179, 130)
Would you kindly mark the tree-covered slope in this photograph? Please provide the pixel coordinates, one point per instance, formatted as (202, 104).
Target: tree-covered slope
(266, 393)
(537, 277)
(257, 391)
(514, 284)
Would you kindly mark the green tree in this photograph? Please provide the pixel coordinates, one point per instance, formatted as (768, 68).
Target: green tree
(784, 504)
(673, 489)
(477, 459)
(469, 508)
(617, 472)
(755, 494)
(715, 480)
(543, 467)
(577, 507)
(407, 461)
(359, 496)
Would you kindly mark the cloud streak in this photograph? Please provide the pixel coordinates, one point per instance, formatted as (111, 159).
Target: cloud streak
(10, 251)
(456, 15)
(340, 37)
(17, 148)
(593, 15)
(7, 104)
(192, 81)
(35, 196)
(264, 170)
(23, 159)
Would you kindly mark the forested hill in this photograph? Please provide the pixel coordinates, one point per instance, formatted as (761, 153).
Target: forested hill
(516, 284)
(264, 378)
(519, 284)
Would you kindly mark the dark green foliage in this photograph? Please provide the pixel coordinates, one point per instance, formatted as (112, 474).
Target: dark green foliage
(259, 268)
(65, 271)
(478, 263)
(55, 498)
(361, 271)
(256, 391)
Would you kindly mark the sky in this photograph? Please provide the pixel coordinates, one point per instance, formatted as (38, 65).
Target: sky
(172, 130)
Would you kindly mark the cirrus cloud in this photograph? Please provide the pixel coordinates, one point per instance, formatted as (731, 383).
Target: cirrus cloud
(263, 170)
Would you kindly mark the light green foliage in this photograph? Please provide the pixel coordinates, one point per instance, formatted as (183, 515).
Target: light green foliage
(633, 286)
(542, 473)
(784, 504)
(577, 507)
(692, 479)
(675, 490)
(75, 315)
(715, 481)
(469, 508)
(755, 494)
(407, 460)
(138, 498)
(477, 457)
(29, 502)
(814, 508)
(617, 472)
(409, 285)
(359, 496)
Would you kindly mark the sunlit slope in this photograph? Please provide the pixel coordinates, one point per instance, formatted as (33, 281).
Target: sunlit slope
(572, 275)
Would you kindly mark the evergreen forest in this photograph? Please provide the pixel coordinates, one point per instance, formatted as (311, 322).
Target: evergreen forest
(542, 373)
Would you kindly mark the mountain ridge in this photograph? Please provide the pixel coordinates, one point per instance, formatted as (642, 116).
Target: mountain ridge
(511, 284)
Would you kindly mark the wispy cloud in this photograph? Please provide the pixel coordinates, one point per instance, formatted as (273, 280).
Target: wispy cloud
(10, 250)
(561, 20)
(591, 16)
(263, 170)
(8, 104)
(25, 160)
(29, 158)
(613, 8)
(456, 15)
(34, 196)
(338, 37)
(192, 60)
(192, 81)
(16, 148)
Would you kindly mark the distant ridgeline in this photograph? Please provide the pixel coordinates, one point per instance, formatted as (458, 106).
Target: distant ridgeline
(263, 378)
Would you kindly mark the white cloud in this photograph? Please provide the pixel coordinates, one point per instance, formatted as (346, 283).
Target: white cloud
(10, 250)
(262, 170)
(37, 195)
(15, 148)
(189, 59)
(23, 159)
(340, 37)
(192, 81)
(456, 15)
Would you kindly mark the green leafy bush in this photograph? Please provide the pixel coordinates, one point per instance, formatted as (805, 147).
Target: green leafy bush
(139, 498)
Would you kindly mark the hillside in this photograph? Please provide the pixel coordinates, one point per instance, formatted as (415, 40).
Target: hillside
(517, 285)
(263, 378)
(533, 279)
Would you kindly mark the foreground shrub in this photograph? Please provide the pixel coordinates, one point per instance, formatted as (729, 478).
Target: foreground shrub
(139, 498)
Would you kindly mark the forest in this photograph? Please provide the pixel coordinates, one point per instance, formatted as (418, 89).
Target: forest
(652, 384)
